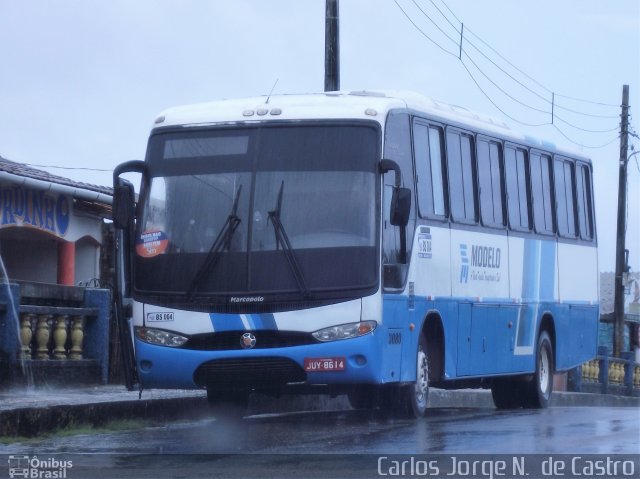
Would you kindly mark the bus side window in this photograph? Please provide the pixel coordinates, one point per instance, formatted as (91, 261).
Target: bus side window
(490, 181)
(515, 165)
(427, 141)
(585, 212)
(461, 177)
(541, 193)
(566, 206)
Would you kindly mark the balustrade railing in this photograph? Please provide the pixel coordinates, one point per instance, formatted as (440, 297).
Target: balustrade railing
(608, 374)
(54, 332)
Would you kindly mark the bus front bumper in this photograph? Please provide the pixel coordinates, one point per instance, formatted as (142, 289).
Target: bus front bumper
(343, 362)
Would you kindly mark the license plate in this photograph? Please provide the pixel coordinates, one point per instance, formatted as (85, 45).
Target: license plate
(324, 364)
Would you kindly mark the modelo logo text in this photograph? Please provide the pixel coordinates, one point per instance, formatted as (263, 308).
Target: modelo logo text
(485, 257)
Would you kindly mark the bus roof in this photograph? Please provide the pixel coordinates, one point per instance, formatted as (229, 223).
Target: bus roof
(369, 105)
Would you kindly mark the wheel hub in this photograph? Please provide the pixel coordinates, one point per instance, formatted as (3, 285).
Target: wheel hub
(544, 375)
(422, 379)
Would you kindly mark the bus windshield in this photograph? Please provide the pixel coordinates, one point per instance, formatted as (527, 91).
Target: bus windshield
(259, 210)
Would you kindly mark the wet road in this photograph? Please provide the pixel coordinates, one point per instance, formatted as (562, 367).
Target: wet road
(446, 430)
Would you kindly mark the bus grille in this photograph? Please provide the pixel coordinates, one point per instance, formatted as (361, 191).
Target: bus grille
(249, 373)
(230, 340)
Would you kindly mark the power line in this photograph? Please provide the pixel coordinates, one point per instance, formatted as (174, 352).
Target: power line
(548, 90)
(635, 157)
(588, 101)
(479, 50)
(552, 102)
(451, 12)
(461, 33)
(455, 41)
(508, 74)
(502, 90)
(422, 32)
(495, 104)
(610, 130)
(445, 17)
(589, 147)
(68, 167)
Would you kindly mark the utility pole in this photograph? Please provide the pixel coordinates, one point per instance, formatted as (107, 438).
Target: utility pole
(618, 310)
(331, 47)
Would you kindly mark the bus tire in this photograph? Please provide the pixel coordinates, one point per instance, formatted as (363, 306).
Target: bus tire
(539, 389)
(412, 399)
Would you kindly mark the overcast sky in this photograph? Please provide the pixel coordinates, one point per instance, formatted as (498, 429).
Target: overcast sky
(82, 80)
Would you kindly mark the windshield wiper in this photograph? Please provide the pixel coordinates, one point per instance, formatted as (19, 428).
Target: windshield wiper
(222, 241)
(283, 239)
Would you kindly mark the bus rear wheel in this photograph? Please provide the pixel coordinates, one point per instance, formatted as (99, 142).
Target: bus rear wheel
(538, 391)
(529, 393)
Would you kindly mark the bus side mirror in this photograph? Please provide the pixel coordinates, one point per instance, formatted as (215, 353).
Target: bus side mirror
(123, 204)
(400, 206)
(124, 198)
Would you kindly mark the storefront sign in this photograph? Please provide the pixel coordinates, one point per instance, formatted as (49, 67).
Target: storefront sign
(20, 206)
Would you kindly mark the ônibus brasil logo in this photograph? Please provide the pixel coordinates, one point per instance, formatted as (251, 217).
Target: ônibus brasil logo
(33, 467)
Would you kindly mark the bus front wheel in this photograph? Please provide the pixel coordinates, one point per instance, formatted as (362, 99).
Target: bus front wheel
(414, 397)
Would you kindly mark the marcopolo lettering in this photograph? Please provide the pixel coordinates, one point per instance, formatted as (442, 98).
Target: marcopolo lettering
(21, 206)
(247, 299)
(485, 257)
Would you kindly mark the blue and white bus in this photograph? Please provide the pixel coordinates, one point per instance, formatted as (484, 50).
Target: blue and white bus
(366, 244)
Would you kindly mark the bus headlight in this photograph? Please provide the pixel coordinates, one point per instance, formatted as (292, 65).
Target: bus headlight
(345, 331)
(160, 337)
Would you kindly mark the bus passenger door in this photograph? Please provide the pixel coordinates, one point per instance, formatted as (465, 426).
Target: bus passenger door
(124, 224)
(397, 240)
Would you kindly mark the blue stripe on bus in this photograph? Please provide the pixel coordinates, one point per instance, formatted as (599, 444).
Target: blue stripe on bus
(226, 322)
(269, 321)
(530, 270)
(547, 270)
(530, 291)
(263, 321)
(233, 322)
(538, 284)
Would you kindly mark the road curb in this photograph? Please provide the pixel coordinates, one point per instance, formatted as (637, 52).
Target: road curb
(482, 398)
(33, 421)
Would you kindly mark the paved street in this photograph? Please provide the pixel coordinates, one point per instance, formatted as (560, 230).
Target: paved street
(279, 445)
(446, 430)
(305, 444)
